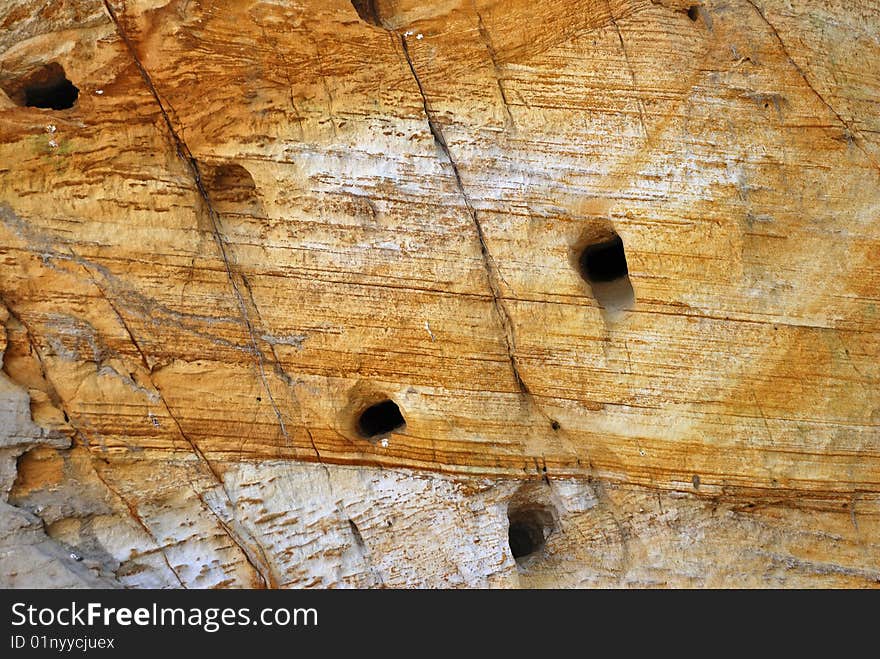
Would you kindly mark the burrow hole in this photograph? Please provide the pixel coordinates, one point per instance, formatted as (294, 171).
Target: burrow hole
(604, 261)
(693, 12)
(528, 530)
(368, 11)
(47, 87)
(230, 187)
(380, 420)
(602, 264)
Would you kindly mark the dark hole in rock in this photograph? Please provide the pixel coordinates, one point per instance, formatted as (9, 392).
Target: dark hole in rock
(47, 87)
(604, 261)
(368, 11)
(230, 187)
(380, 419)
(528, 531)
(524, 539)
(603, 266)
(694, 12)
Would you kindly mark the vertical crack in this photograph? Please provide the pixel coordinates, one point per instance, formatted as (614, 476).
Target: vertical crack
(365, 552)
(285, 69)
(135, 515)
(493, 55)
(186, 155)
(489, 265)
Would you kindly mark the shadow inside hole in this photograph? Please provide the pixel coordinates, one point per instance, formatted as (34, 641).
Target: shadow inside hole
(524, 539)
(693, 12)
(231, 188)
(603, 266)
(604, 261)
(528, 531)
(380, 419)
(47, 88)
(368, 11)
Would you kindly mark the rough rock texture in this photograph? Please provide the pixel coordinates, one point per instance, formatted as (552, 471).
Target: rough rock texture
(258, 218)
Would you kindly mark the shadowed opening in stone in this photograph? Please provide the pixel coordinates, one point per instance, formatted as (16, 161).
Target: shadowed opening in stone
(694, 12)
(528, 530)
(368, 11)
(603, 262)
(47, 87)
(231, 188)
(524, 539)
(380, 419)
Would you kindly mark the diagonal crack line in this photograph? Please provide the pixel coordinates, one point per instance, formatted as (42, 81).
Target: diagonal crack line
(135, 515)
(852, 132)
(53, 394)
(260, 562)
(113, 307)
(265, 573)
(56, 400)
(182, 150)
(632, 73)
(186, 155)
(279, 369)
(490, 267)
(493, 55)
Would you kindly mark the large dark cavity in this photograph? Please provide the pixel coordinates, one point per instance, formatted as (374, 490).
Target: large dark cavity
(47, 87)
(528, 530)
(368, 11)
(380, 419)
(525, 539)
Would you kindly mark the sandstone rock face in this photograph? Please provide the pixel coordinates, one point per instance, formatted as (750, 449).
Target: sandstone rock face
(608, 269)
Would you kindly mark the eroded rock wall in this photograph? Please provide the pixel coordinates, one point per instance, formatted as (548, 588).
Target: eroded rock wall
(228, 228)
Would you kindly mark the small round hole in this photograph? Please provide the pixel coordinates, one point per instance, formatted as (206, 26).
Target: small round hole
(601, 263)
(380, 419)
(693, 12)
